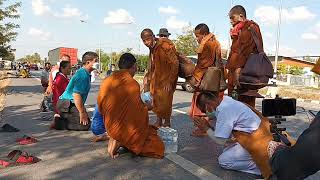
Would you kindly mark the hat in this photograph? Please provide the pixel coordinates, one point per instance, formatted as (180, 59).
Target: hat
(164, 31)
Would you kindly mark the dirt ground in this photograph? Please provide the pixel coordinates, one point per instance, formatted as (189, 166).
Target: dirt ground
(4, 82)
(297, 92)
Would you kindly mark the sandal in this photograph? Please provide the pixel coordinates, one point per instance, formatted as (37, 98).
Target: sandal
(198, 133)
(26, 140)
(9, 128)
(17, 157)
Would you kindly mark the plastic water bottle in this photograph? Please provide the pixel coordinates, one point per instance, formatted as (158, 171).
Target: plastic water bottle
(170, 139)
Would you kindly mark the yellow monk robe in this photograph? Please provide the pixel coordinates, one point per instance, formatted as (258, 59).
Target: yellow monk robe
(126, 117)
(257, 142)
(163, 72)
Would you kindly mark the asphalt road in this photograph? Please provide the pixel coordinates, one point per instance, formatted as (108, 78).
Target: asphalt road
(196, 157)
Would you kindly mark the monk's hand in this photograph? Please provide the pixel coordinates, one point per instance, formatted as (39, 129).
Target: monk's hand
(84, 119)
(202, 123)
(236, 77)
(149, 105)
(192, 81)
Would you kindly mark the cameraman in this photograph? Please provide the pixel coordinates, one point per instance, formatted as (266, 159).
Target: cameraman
(300, 160)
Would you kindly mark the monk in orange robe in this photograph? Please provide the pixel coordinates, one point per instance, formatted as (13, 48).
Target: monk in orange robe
(242, 46)
(209, 54)
(125, 115)
(162, 75)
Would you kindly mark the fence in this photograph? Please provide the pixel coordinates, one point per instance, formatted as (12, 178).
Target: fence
(293, 80)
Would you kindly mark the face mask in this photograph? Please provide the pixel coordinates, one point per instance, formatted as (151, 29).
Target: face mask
(95, 65)
(211, 115)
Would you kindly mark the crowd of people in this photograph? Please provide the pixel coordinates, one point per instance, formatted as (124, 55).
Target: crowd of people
(121, 116)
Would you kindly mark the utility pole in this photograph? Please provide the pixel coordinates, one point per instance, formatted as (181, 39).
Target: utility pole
(229, 37)
(278, 41)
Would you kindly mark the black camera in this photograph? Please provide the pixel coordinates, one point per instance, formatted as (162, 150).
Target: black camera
(278, 107)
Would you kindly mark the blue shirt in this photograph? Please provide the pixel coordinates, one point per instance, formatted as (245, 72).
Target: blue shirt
(80, 83)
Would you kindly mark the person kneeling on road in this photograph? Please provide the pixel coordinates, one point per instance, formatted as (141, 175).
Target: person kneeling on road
(125, 115)
(243, 130)
(71, 102)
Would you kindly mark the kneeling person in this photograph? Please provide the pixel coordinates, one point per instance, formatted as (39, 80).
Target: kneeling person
(125, 115)
(71, 102)
(243, 130)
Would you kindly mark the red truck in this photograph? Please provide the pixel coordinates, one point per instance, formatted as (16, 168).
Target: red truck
(54, 55)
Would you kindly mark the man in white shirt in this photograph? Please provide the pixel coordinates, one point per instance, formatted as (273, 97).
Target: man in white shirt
(230, 115)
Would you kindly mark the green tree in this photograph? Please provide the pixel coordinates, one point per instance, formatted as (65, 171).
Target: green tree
(282, 69)
(142, 62)
(104, 59)
(34, 58)
(186, 43)
(295, 70)
(7, 33)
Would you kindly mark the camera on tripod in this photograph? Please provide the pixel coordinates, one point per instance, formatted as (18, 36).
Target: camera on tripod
(275, 109)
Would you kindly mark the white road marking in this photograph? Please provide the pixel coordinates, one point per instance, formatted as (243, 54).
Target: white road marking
(191, 167)
(179, 111)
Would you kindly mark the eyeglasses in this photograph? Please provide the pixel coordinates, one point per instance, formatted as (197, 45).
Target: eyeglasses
(162, 35)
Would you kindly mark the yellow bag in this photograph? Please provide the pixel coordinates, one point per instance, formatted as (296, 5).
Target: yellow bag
(316, 68)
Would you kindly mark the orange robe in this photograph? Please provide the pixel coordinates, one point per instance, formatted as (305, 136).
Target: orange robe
(126, 117)
(208, 51)
(163, 72)
(242, 46)
(257, 142)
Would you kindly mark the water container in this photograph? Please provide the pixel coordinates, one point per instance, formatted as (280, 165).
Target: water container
(170, 139)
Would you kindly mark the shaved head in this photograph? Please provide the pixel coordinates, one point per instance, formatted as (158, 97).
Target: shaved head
(146, 33)
(148, 38)
(238, 10)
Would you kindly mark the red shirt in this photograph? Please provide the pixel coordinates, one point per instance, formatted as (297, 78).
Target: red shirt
(59, 86)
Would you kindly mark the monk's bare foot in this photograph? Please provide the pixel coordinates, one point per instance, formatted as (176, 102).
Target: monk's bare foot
(166, 123)
(113, 146)
(158, 123)
(100, 138)
(198, 133)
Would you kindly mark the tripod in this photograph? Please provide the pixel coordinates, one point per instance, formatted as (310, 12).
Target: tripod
(277, 132)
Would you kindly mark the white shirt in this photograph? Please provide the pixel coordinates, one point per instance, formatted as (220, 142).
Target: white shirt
(234, 115)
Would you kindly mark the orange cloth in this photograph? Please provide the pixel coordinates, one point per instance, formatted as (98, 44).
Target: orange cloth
(316, 68)
(163, 72)
(209, 50)
(126, 117)
(256, 144)
(242, 46)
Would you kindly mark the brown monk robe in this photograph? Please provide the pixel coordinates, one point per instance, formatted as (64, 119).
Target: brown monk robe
(257, 143)
(209, 51)
(126, 116)
(242, 46)
(162, 75)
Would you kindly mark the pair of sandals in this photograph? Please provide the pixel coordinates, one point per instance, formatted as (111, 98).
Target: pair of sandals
(17, 158)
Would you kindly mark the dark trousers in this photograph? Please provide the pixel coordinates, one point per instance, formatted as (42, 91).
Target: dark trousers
(71, 116)
(302, 159)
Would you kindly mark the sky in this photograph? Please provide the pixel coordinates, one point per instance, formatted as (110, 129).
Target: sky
(116, 25)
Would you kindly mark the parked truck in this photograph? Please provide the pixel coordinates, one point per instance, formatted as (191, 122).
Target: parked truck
(54, 55)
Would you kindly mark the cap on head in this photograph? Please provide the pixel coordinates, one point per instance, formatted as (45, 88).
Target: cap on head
(164, 31)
